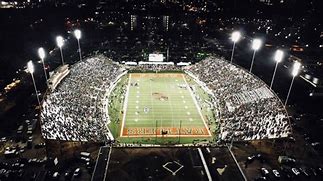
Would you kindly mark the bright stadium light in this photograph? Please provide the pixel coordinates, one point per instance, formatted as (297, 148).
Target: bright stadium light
(235, 37)
(60, 43)
(295, 71)
(41, 54)
(78, 34)
(30, 67)
(256, 44)
(278, 58)
(296, 68)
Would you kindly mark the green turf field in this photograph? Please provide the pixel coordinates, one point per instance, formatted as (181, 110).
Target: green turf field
(161, 105)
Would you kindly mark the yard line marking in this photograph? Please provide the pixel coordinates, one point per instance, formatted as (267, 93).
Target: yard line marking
(151, 101)
(170, 104)
(125, 105)
(197, 106)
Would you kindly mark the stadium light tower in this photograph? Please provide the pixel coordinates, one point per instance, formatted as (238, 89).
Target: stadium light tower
(60, 43)
(77, 34)
(278, 58)
(41, 54)
(30, 67)
(235, 37)
(256, 44)
(296, 68)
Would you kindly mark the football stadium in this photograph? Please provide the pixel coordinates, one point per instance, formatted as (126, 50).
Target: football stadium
(160, 103)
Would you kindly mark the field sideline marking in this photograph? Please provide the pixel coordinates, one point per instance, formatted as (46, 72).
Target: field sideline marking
(125, 105)
(197, 106)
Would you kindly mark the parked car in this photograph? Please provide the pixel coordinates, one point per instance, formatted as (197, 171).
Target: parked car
(304, 171)
(296, 171)
(55, 176)
(260, 179)
(264, 171)
(77, 172)
(286, 160)
(250, 159)
(68, 175)
(276, 173)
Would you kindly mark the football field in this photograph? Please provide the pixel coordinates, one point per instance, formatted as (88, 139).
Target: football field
(161, 105)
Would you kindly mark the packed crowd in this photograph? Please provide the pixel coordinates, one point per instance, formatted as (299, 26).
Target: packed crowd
(248, 109)
(75, 110)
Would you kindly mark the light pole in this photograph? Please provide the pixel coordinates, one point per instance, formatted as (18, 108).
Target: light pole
(60, 43)
(77, 34)
(41, 54)
(30, 67)
(256, 44)
(296, 68)
(235, 37)
(278, 58)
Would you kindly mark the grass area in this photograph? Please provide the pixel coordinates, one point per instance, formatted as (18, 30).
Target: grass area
(205, 101)
(160, 108)
(116, 100)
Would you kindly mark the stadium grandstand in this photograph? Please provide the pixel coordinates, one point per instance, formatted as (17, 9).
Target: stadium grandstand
(245, 108)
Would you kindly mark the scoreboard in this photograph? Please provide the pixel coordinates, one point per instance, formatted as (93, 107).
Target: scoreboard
(154, 57)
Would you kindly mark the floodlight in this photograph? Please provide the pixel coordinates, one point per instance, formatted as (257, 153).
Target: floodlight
(30, 67)
(235, 37)
(296, 68)
(77, 33)
(256, 44)
(279, 56)
(41, 53)
(59, 41)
